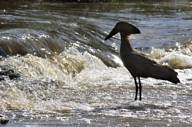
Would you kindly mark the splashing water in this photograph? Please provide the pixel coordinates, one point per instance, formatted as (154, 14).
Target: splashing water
(70, 77)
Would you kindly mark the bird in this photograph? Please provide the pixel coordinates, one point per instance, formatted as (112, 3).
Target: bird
(138, 64)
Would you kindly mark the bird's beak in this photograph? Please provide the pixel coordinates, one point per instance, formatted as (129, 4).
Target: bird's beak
(113, 32)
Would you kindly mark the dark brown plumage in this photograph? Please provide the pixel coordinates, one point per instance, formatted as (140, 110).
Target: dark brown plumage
(137, 64)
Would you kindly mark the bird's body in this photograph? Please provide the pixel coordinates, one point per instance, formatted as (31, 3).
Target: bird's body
(141, 66)
(137, 64)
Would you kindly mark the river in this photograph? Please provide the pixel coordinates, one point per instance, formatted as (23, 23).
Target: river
(70, 76)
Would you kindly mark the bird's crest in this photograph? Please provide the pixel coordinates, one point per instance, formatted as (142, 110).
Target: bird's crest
(124, 28)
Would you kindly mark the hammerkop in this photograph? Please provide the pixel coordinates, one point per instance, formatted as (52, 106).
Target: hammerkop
(137, 64)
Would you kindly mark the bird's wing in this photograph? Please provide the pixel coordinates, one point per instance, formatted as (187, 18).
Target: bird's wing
(141, 59)
(139, 64)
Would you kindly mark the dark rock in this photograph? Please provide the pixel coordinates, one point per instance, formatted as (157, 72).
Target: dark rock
(8, 73)
(2, 53)
(3, 120)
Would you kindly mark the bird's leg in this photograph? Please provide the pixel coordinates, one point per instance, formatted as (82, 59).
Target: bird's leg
(140, 89)
(136, 88)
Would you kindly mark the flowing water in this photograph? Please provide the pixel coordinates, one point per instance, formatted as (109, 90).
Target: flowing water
(70, 76)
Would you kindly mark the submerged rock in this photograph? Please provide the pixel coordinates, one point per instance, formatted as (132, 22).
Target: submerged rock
(3, 120)
(5, 72)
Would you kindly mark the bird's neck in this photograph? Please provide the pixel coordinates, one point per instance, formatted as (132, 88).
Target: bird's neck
(125, 45)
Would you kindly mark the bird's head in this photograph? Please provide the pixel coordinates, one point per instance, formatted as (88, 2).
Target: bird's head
(123, 28)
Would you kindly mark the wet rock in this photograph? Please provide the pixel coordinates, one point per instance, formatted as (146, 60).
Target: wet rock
(4, 72)
(3, 120)
(2, 53)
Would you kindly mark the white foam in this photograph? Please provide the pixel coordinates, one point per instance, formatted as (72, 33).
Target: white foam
(157, 53)
(177, 60)
(88, 121)
(6, 38)
(117, 60)
(79, 106)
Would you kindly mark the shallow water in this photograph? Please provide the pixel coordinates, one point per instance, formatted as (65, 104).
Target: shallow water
(71, 77)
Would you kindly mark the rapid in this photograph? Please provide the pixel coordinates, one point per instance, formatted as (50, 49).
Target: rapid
(70, 76)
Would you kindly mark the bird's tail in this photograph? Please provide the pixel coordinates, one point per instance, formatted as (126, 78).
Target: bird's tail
(166, 73)
(174, 80)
